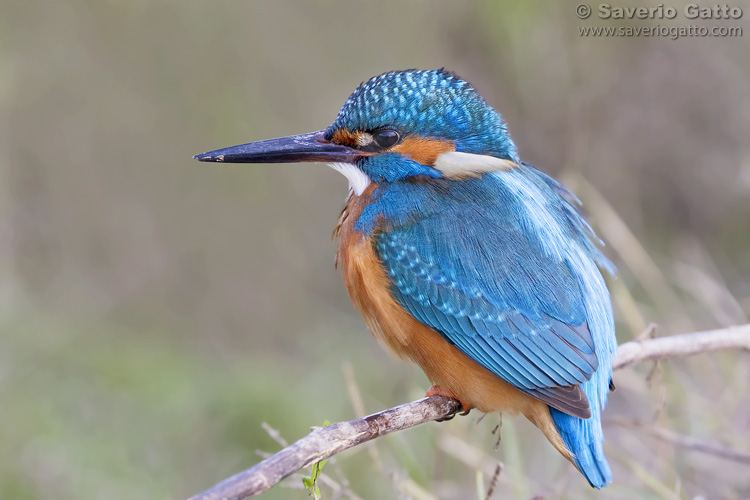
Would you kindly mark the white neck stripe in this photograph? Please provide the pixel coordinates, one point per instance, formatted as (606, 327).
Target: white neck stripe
(456, 164)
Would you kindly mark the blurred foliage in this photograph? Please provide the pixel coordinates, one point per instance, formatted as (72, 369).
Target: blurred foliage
(155, 311)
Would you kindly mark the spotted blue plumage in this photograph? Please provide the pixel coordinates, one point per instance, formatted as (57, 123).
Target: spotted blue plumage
(434, 103)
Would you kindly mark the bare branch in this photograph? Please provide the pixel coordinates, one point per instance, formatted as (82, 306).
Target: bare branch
(324, 442)
(737, 337)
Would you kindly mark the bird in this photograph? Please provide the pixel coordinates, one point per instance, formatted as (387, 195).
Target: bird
(462, 258)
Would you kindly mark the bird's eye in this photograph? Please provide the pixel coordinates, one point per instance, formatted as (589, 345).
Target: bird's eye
(386, 138)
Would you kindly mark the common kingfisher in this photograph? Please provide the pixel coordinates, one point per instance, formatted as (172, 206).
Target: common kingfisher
(473, 264)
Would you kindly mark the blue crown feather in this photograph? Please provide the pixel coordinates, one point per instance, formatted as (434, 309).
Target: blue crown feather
(434, 103)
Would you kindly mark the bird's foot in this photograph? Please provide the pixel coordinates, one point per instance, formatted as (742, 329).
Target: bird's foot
(436, 390)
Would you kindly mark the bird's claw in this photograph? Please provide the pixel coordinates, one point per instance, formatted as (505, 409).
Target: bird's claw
(453, 414)
(436, 390)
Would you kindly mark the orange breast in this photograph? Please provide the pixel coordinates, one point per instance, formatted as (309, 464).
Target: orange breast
(368, 285)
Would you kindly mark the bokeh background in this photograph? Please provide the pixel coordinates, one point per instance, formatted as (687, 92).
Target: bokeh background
(155, 311)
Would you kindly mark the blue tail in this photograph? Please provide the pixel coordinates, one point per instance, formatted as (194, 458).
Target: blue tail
(584, 439)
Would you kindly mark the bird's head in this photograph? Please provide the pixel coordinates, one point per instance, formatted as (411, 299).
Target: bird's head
(395, 126)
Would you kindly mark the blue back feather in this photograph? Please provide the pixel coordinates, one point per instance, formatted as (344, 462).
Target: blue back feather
(504, 267)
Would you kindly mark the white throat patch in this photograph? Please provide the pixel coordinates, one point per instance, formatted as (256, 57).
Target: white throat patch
(358, 180)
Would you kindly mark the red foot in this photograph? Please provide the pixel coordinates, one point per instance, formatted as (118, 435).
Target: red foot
(436, 390)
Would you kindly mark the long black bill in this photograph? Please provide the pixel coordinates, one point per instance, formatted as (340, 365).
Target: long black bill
(295, 148)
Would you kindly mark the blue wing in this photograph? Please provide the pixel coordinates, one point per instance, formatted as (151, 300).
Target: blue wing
(501, 270)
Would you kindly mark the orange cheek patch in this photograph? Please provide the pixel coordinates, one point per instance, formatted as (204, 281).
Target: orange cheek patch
(424, 150)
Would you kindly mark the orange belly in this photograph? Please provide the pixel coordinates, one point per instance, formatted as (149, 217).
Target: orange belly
(476, 387)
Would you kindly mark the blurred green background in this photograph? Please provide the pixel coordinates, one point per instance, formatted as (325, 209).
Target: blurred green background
(155, 310)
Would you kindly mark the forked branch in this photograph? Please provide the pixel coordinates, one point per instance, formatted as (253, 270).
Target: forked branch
(324, 442)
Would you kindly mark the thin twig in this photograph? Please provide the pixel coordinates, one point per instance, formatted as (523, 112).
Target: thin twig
(493, 481)
(737, 337)
(274, 434)
(324, 442)
(688, 442)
